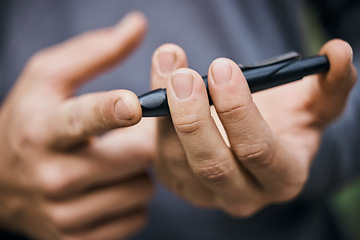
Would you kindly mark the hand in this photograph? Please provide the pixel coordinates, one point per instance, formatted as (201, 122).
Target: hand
(58, 179)
(253, 150)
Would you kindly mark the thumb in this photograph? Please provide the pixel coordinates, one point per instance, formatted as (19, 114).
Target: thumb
(79, 118)
(331, 89)
(66, 66)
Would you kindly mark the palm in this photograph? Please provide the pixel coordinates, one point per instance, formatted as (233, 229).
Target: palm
(287, 111)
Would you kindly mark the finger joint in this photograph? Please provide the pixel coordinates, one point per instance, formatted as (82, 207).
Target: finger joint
(188, 124)
(213, 171)
(256, 155)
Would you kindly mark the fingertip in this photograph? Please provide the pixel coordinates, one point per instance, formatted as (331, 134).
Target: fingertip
(129, 31)
(134, 17)
(165, 60)
(139, 16)
(227, 84)
(127, 107)
(340, 55)
(338, 45)
(185, 82)
(187, 94)
(181, 84)
(224, 71)
(221, 71)
(169, 47)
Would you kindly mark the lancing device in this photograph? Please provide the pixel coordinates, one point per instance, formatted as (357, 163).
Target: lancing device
(270, 73)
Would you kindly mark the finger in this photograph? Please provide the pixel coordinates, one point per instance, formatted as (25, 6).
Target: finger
(83, 212)
(250, 137)
(171, 160)
(165, 60)
(247, 131)
(171, 164)
(118, 228)
(107, 160)
(329, 92)
(71, 63)
(209, 157)
(341, 74)
(89, 115)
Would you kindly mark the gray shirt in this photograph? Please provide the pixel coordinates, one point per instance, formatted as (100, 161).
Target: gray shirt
(244, 31)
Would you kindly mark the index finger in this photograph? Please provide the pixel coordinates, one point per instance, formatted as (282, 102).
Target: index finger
(166, 59)
(208, 155)
(64, 67)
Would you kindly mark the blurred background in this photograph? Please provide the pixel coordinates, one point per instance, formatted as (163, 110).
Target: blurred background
(346, 206)
(345, 202)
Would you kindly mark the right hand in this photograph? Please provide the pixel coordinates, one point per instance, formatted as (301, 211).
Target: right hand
(58, 180)
(252, 150)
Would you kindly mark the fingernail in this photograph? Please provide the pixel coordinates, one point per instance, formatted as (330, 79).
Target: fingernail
(122, 111)
(221, 71)
(166, 61)
(183, 83)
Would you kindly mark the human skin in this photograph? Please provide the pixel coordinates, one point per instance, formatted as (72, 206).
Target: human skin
(58, 178)
(252, 150)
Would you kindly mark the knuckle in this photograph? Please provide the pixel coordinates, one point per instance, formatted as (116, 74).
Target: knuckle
(36, 62)
(61, 217)
(39, 60)
(256, 155)
(30, 137)
(74, 119)
(32, 131)
(213, 171)
(103, 110)
(188, 124)
(235, 114)
(53, 181)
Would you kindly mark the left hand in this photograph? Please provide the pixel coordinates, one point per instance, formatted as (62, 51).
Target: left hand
(71, 167)
(257, 149)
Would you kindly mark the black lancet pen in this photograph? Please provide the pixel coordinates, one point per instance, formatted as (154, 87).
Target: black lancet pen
(260, 76)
